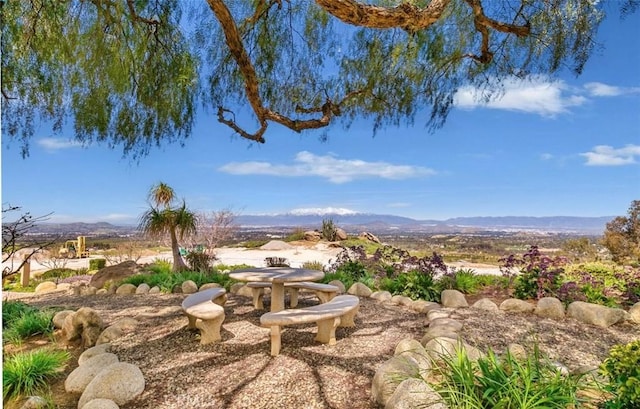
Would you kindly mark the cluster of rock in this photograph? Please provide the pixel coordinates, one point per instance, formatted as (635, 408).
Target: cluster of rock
(101, 380)
(399, 382)
(315, 235)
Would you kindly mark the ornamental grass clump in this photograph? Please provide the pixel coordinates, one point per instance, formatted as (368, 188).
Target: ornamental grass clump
(29, 373)
(21, 321)
(506, 382)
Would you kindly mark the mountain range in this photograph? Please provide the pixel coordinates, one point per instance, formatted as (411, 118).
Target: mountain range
(375, 223)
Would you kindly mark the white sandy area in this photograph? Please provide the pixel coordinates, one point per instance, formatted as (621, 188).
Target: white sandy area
(296, 255)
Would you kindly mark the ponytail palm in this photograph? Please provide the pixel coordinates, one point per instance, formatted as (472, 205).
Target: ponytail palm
(162, 220)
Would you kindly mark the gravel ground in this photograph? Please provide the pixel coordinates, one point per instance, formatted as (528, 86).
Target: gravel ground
(239, 372)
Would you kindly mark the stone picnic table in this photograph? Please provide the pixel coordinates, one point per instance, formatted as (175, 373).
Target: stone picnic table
(277, 276)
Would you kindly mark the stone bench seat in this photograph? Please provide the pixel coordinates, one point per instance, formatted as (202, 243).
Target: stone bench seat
(324, 292)
(205, 312)
(339, 311)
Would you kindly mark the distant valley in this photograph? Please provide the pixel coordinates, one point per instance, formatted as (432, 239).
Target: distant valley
(375, 223)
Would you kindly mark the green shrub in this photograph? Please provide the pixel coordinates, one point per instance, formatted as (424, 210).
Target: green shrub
(313, 265)
(97, 263)
(159, 266)
(463, 280)
(412, 284)
(13, 311)
(57, 273)
(166, 281)
(31, 323)
(296, 235)
(329, 230)
(28, 373)
(252, 244)
(622, 368)
(506, 382)
(368, 246)
(199, 261)
(276, 262)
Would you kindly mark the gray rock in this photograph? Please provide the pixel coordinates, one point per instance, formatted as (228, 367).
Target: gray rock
(369, 236)
(439, 348)
(413, 393)
(516, 305)
(360, 290)
(423, 306)
(189, 287)
(206, 286)
(595, 314)
(143, 289)
(93, 351)
(126, 289)
(381, 296)
(245, 291)
(35, 402)
(517, 351)
(453, 299)
(401, 300)
(59, 318)
(439, 332)
(448, 323)
(408, 344)
(109, 334)
(389, 375)
(339, 284)
(634, 313)
(486, 305)
(80, 377)
(114, 273)
(438, 313)
(549, 307)
(341, 234)
(235, 288)
(154, 290)
(45, 287)
(120, 382)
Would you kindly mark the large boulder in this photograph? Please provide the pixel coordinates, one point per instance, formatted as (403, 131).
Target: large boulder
(595, 314)
(60, 317)
(389, 375)
(114, 273)
(453, 299)
(120, 382)
(369, 236)
(312, 235)
(45, 287)
(549, 307)
(80, 377)
(360, 289)
(415, 393)
(486, 305)
(516, 305)
(101, 404)
(381, 296)
(88, 323)
(93, 351)
(189, 287)
(341, 234)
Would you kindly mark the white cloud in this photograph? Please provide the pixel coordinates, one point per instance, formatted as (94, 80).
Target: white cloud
(399, 205)
(329, 167)
(322, 211)
(538, 95)
(604, 155)
(546, 156)
(598, 89)
(54, 144)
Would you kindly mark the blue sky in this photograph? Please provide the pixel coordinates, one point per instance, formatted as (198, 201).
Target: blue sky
(568, 146)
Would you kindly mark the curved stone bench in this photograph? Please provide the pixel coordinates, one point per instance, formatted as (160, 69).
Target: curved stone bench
(324, 292)
(340, 311)
(205, 312)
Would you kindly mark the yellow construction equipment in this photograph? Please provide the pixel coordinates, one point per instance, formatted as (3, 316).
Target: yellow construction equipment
(74, 248)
